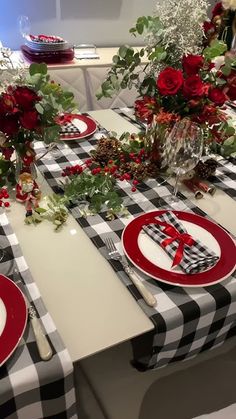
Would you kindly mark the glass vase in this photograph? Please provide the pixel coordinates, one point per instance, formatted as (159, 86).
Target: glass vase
(154, 143)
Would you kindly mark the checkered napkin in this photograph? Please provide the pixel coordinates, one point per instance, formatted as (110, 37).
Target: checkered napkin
(187, 252)
(69, 128)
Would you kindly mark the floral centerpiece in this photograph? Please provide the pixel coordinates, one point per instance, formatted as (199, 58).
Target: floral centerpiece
(29, 105)
(180, 79)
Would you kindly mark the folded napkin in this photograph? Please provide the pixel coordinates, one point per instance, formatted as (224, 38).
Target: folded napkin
(69, 128)
(185, 251)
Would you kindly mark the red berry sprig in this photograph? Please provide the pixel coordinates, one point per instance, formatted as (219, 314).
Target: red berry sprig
(72, 170)
(3, 196)
(110, 169)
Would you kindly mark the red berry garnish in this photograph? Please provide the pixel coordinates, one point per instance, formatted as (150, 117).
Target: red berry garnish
(138, 161)
(126, 176)
(135, 182)
(110, 162)
(133, 189)
(88, 162)
(6, 204)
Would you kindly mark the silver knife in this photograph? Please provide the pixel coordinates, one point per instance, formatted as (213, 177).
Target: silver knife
(44, 348)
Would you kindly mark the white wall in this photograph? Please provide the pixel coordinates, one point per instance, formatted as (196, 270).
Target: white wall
(103, 22)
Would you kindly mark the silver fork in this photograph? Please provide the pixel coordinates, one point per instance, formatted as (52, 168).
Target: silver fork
(114, 254)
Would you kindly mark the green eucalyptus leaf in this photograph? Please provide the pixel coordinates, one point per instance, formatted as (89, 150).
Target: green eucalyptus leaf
(226, 70)
(122, 51)
(115, 59)
(36, 68)
(140, 28)
(39, 108)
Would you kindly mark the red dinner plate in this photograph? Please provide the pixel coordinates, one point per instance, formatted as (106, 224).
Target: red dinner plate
(86, 125)
(151, 259)
(13, 317)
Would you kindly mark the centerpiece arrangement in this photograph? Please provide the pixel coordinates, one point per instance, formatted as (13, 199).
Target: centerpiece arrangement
(29, 106)
(181, 78)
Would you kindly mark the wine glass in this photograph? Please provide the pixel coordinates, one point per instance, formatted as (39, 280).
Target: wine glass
(24, 26)
(183, 149)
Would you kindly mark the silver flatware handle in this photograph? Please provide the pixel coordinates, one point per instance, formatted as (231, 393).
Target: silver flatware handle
(44, 348)
(146, 294)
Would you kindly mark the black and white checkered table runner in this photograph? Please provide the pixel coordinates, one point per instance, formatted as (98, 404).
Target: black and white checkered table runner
(29, 387)
(186, 322)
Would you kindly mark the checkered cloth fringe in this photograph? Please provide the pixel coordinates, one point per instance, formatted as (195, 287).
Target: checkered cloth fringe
(186, 321)
(31, 388)
(196, 257)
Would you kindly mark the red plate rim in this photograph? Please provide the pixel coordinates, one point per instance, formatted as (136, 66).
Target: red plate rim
(16, 319)
(91, 128)
(224, 267)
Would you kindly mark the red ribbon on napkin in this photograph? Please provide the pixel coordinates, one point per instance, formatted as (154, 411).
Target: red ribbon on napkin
(182, 238)
(63, 119)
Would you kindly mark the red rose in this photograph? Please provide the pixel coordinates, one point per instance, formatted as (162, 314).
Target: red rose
(218, 9)
(169, 81)
(145, 108)
(9, 125)
(7, 152)
(217, 96)
(208, 27)
(192, 64)
(29, 119)
(25, 97)
(193, 87)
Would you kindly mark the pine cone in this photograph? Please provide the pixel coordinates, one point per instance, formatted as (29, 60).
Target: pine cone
(206, 169)
(107, 149)
(152, 170)
(126, 167)
(140, 171)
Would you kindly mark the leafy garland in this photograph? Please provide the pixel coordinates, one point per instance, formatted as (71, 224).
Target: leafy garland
(93, 184)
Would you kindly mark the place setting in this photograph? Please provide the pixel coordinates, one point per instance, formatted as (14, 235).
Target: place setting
(16, 308)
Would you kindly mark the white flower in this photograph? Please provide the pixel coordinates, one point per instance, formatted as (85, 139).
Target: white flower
(229, 4)
(182, 27)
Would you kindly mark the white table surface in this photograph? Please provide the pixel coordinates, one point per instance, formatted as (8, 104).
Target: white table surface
(90, 306)
(104, 60)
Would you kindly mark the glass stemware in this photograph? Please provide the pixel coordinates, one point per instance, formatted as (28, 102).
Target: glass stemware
(183, 149)
(24, 26)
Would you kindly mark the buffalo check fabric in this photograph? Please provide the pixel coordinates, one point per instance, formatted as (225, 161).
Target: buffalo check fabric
(29, 387)
(186, 321)
(170, 233)
(69, 130)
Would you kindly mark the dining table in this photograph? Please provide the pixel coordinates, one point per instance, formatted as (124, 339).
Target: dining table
(86, 301)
